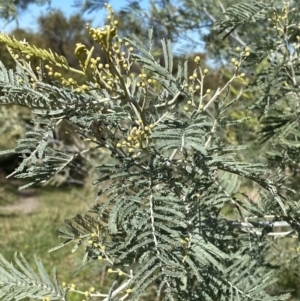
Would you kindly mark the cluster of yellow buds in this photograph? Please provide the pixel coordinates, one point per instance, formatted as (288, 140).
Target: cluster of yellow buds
(185, 240)
(104, 74)
(278, 17)
(142, 76)
(246, 51)
(94, 241)
(66, 82)
(144, 80)
(193, 79)
(103, 36)
(72, 287)
(185, 243)
(197, 59)
(243, 54)
(50, 70)
(100, 35)
(138, 137)
(108, 39)
(195, 85)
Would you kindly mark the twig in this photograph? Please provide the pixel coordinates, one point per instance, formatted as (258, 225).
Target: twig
(234, 34)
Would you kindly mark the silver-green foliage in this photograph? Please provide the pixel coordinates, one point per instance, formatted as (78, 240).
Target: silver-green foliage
(20, 281)
(162, 220)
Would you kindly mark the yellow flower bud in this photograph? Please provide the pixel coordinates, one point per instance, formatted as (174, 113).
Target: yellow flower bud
(197, 59)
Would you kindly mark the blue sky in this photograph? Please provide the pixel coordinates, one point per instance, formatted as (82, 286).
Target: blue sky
(28, 17)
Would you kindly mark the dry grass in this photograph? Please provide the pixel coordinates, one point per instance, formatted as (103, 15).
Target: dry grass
(35, 233)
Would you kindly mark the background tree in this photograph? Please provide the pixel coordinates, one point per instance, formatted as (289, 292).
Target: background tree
(10, 8)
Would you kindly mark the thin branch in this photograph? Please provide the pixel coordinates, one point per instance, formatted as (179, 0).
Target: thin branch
(234, 35)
